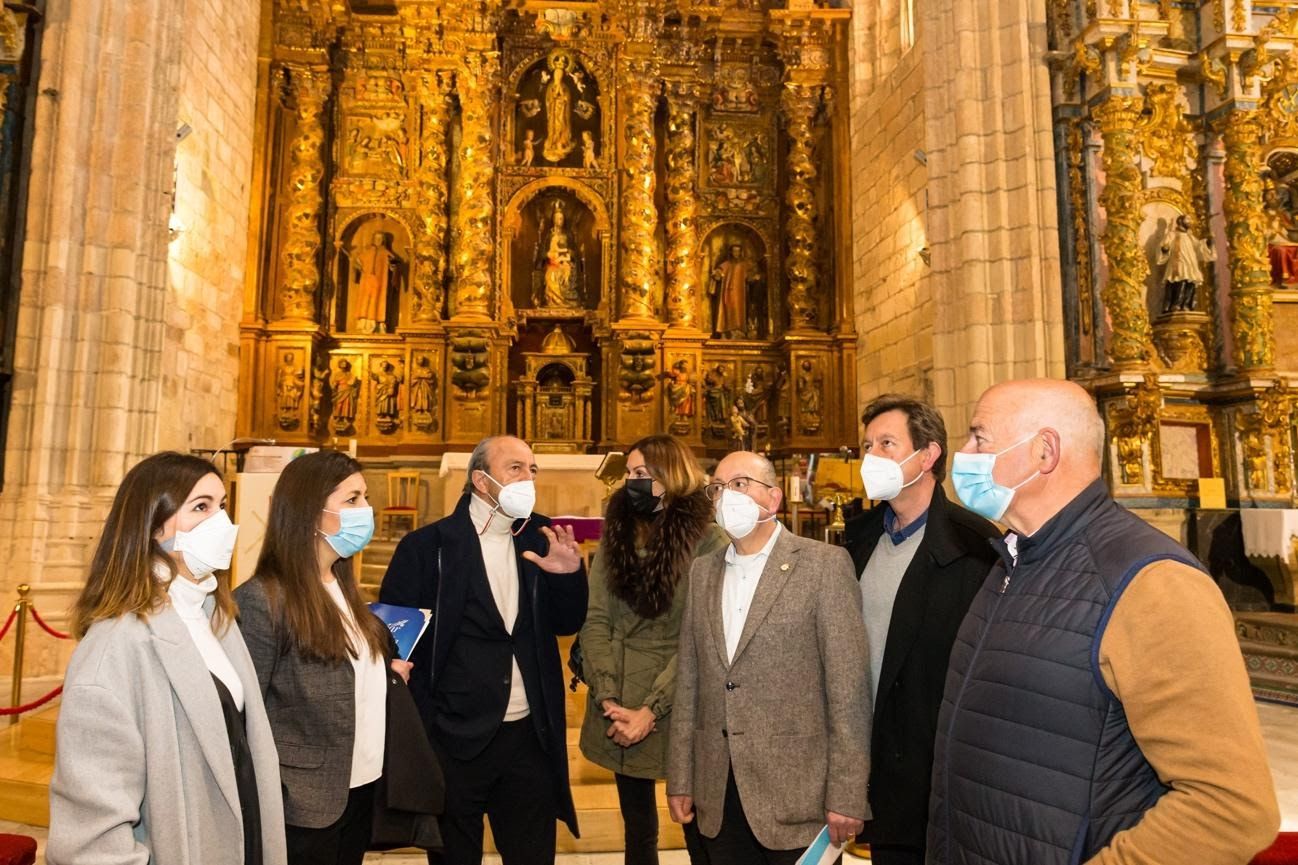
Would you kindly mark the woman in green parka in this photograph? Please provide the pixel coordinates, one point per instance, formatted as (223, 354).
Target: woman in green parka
(654, 528)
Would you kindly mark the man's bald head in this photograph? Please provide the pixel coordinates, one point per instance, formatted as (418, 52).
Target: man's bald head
(747, 464)
(1024, 407)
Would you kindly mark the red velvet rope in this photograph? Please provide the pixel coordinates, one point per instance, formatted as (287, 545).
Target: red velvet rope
(34, 704)
(13, 614)
(58, 635)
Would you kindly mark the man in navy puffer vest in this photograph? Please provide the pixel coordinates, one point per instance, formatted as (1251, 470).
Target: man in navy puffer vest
(1096, 708)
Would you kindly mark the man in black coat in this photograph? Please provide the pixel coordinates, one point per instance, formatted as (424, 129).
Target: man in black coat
(921, 560)
(502, 584)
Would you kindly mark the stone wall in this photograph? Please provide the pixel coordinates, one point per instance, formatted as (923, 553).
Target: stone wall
(109, 327)
(207, 260)
(973, 96)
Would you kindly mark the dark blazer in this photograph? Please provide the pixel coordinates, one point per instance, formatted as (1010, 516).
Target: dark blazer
(433, 568)
(312, 710)
(949, 567)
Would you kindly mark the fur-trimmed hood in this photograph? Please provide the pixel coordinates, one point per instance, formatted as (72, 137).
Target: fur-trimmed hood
(647, 583)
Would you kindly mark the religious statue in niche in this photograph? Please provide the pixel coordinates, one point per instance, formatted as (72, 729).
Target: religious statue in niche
(290, 384)
(734, 279)
(741, 425)
(387, 378)
(1182, 257)
(809, 398)
(319, 389)
(376, 272)
(423, 395)
(346, 387)
(757, 393)
(556, 113)
(716, 398)
(1282, 232)
(783, 401)
(558, 268)
(680, 395)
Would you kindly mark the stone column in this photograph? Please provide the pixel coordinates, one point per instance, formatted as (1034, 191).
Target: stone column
(1252, 319)
(639, 280)
(1124, 291)
(472, 237)
(683, 295)
(799, 103)
(431, 178)
(309, 89)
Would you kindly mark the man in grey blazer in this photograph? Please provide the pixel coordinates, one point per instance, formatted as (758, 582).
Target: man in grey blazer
(771, 720)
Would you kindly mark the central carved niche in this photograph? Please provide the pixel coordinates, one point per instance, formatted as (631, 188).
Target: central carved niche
(557, 250)
(557, 114)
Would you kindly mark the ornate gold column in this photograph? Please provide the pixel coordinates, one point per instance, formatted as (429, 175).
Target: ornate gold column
(1124, 290)
(430, 251)
(799, 103)
(472, 239)
(638, 280)
(1252, 319)
(309, 89)
(682, 208)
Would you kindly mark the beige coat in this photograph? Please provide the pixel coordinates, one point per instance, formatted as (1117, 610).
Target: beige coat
(791, 713)
(143, 772)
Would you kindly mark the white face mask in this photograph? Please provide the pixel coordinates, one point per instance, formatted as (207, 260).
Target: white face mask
(883, 478)
(516, 500)
(208, 547)
(738, 514)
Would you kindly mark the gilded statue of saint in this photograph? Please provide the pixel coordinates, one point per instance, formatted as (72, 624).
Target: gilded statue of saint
(558, 109)
(731, 279)
(374, 268)
(558, 266)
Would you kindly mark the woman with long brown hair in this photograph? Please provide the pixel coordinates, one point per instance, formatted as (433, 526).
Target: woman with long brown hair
(321, 656)
(164, 750)
(654, 528)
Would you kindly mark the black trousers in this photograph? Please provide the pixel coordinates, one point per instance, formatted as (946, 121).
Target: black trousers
(639, 806)
(896, 856)
(343, 842)
(736, 844)
(510, 783)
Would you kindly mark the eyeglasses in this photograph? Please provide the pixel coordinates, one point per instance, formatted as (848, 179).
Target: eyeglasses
(739, 485)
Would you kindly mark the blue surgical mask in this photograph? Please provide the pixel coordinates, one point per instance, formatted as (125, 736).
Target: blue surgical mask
(355, 528)
(971, 475)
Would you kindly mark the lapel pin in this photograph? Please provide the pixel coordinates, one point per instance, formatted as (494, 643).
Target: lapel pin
(784, 567)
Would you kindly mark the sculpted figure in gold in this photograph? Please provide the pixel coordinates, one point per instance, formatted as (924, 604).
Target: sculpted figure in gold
(800, 103)
(309, 89)
(1124, 293)
(1253, 323)
(639, 213)
(472, 247)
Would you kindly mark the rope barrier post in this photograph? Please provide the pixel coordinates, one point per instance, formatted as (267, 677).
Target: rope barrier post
(20, 609)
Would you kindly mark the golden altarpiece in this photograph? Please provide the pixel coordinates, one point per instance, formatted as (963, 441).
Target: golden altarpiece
(577, 222)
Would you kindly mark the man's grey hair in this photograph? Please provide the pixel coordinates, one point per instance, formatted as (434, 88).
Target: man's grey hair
(478, 461)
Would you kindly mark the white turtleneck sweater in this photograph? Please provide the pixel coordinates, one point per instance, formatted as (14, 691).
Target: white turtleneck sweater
(498, 557)
(187, 599)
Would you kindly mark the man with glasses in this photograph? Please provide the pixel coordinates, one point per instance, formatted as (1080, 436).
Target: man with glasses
(771, 721)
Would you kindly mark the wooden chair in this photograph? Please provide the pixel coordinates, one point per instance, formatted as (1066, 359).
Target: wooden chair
(403, 502)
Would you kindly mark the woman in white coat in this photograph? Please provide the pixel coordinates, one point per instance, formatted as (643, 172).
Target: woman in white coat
(164, 754)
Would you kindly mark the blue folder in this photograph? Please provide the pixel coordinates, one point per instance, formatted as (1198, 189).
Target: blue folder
(407, 625)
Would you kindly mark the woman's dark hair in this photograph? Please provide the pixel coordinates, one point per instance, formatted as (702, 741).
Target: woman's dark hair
(122, 575)
(289, 570)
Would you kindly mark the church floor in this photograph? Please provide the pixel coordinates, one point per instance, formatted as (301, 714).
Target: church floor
(1279, 727)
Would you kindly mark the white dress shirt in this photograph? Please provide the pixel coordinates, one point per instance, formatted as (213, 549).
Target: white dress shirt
(495, 535)
(370, 697)
(739, 586)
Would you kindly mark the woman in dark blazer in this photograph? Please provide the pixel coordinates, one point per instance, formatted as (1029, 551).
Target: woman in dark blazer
(322, 657)
(164, 751)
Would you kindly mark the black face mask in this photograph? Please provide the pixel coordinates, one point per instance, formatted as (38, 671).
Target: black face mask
(640, 495)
